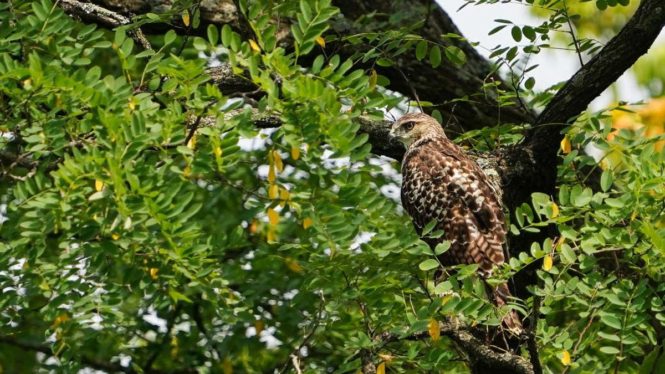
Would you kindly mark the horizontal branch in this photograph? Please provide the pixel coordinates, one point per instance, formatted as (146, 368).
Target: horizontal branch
(228, 81)
(479, 353)
(100, 15)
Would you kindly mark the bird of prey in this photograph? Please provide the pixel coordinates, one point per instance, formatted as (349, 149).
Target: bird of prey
(441, 183)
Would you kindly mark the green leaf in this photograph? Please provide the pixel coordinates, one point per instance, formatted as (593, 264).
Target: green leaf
(516, 33)
(169, 37)
(177, 296)
(226, 35)
(580, 197)
(213, 34)
(97, 195)
(657, 238)
(649, 362)
(611, 320)
(435, 56)
(455, 55)
(567, 254)
(421, 50)
(306, 11)
(609, 350)
(606, 180)
(200, 44)
(529, 33)
(496, 29)
(429, 227)
(529, 83)
(441, 248)
(428, 264)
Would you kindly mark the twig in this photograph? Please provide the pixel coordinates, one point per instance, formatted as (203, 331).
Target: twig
(572, 33)
(294, 355)
(531, 344)
(296, 363)
(170, 323)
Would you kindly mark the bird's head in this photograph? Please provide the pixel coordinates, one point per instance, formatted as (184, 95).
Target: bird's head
(414, 126)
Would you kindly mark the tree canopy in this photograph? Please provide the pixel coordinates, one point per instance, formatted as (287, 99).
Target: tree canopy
(209, 186)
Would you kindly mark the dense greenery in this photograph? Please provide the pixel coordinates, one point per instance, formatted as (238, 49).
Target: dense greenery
(149, 224)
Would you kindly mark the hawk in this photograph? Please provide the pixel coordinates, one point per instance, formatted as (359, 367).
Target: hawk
(441, 183)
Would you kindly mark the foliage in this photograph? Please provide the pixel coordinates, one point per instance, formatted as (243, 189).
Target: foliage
(601, 283)
(148, 223)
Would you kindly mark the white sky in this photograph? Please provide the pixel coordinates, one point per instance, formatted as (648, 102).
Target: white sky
(475, 22)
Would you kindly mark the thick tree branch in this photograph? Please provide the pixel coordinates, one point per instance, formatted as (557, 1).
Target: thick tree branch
(229, 82)
(619, 54)
(532, 166)
(445, 84)
(102, 16)
(479, 353)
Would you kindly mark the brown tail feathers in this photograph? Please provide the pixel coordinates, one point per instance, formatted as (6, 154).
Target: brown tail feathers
(511, 321)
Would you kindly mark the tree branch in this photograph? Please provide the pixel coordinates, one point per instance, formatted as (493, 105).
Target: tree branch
(619, 54)
(100, 15)
(479, 353)
(446, 84)
(532, 166)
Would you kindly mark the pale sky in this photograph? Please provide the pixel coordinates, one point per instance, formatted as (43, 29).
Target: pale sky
(475, 22)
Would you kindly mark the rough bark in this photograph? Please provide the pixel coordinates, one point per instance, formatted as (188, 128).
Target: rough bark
(438, 85)
(542, 143)
(447, 82)
(482, 358)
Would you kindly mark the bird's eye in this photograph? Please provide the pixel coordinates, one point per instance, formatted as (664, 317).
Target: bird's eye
(409, 126)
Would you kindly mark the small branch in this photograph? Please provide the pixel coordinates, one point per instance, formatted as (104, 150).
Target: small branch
(296, 363)
(165, 339)
(531, 344)
(572, 33)
(295, 359)
(97, 14)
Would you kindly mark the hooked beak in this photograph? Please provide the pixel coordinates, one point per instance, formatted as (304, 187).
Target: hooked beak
(392, 132)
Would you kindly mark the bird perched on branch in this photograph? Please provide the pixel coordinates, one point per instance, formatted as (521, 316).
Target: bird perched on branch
(441, 183)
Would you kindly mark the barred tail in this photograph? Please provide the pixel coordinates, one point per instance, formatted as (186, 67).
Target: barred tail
(511, 321)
